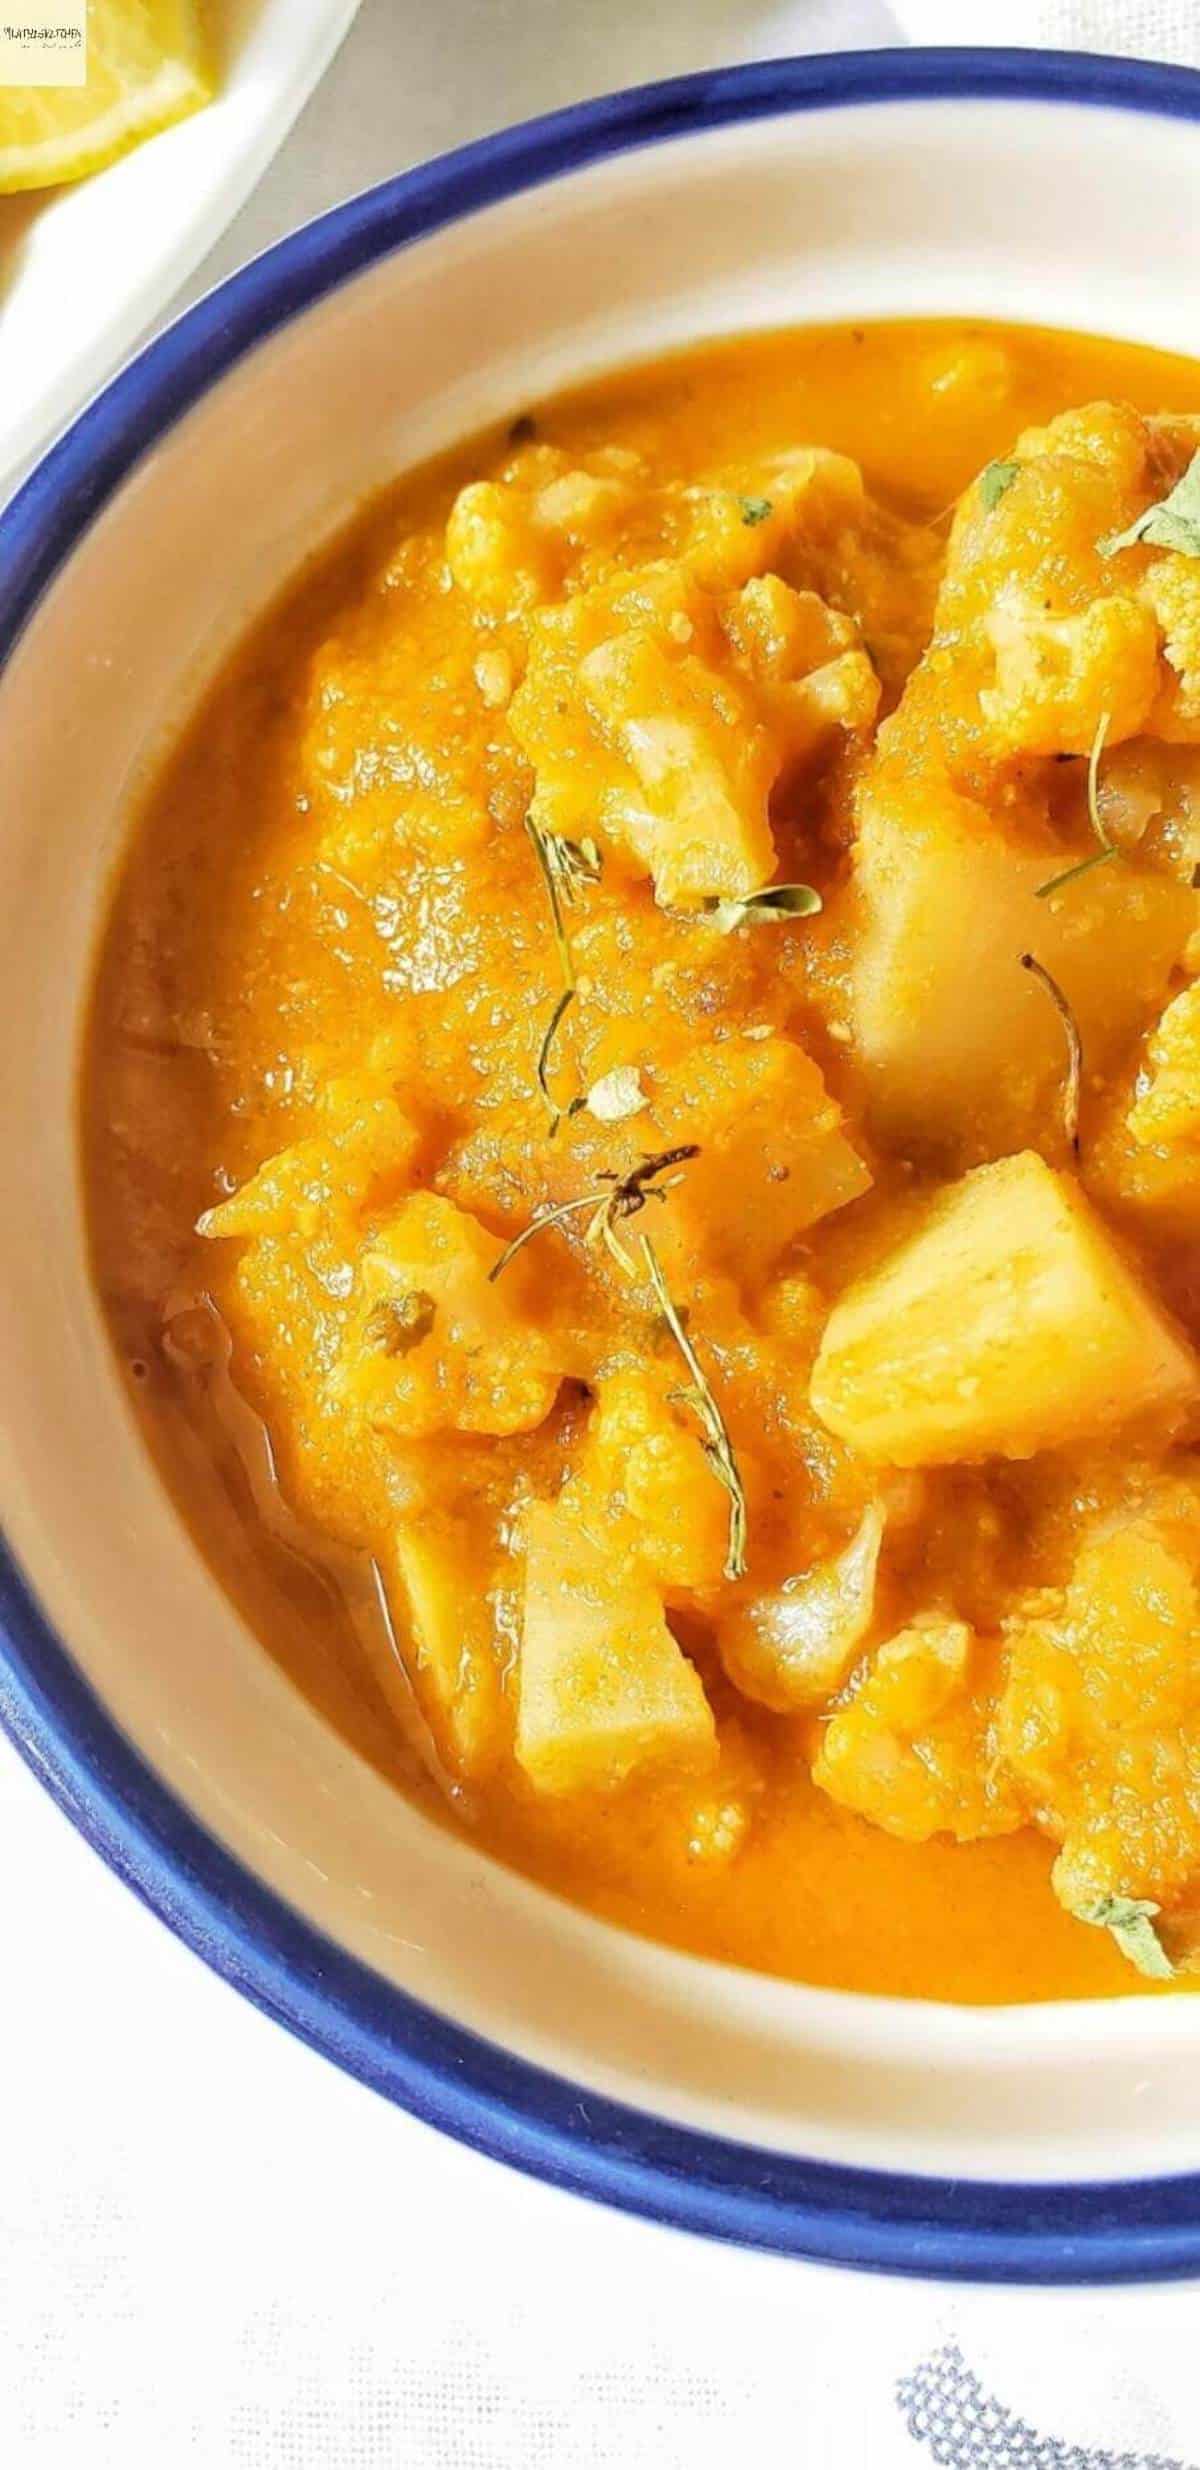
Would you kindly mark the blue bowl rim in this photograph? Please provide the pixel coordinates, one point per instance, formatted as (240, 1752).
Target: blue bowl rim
(1091, 2232)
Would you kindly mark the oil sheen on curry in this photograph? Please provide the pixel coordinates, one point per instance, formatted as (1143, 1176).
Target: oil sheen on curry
(642, 1119)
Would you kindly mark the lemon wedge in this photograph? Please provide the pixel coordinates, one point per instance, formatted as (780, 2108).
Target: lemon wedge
(148, 64)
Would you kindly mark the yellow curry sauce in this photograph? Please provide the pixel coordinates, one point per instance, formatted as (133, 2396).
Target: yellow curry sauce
(860, 1236)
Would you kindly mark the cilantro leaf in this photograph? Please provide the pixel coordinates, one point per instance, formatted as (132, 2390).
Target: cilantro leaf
(1173, 524)
(1131, 1920)
(994, 479)
(777, 900)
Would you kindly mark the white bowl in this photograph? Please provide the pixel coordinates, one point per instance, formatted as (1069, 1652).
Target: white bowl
(1051, 2142)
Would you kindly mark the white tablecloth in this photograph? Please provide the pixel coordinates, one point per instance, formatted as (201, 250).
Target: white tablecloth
(216, 2253)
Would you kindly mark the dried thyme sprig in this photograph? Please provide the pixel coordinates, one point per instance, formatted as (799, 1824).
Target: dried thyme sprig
(718, 1448)
(567, 868)
(1074, 1079)
(611, 1198)
(1107, 849)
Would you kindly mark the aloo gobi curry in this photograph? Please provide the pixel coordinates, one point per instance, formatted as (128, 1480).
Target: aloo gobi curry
(642, 1119)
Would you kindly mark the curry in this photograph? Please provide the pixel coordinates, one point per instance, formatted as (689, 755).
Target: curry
(641, 1119)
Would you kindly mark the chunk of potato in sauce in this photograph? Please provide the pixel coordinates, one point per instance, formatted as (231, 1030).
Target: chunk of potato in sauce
(791, 1548)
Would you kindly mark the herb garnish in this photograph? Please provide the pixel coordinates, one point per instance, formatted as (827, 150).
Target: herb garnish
(1074, 1079)
(1107, 849)
(1174, 523)
(755, 509)
(553, 1025)
(397, 1323)
(624, 1196)
(718, 1448)
(618, 1196)
(776, 900)
(567, 867)
(1131, 1920)
(994, 479)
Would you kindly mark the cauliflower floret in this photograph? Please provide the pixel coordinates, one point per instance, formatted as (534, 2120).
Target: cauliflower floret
(808, 660)
(634, 732)
(1058, 678)
(1112, 436)
(1171, 591)
(328, 1177)
(581, 507)
(1055, 646)
(747, 527)
(655, 1498)
(1100, 1721)
(495, 552)
(438, 1346)
(794, 1647)
(701, 766)
(662, 718)
(1167, 1107)
(509, 542)
(914, 1749)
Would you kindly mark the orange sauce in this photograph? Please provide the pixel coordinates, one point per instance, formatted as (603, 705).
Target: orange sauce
(245, 966)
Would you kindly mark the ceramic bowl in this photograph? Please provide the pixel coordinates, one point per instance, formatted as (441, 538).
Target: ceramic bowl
(1042, 2142)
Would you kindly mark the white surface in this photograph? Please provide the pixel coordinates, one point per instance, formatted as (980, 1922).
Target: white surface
(1146, 29)
(83, 270)
(214, 2251)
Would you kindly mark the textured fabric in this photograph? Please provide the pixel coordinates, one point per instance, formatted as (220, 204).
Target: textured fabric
(1146, 29)
(216, 2253)
(945, 2408)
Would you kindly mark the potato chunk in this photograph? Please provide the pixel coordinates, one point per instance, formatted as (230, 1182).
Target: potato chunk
(603, 1687)
(774, 1156)
(1100, 1722)
(438, 1348)
(434, 1570)
(960, 1045)
(914, 1750)
(1007, 1323)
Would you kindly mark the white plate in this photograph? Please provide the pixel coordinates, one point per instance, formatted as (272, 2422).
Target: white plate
(83, 269)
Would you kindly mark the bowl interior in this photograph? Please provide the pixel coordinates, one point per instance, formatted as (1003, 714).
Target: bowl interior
(1054, 211)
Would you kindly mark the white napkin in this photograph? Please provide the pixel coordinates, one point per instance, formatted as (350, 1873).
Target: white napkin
(216, 2253)
(1147, 29)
